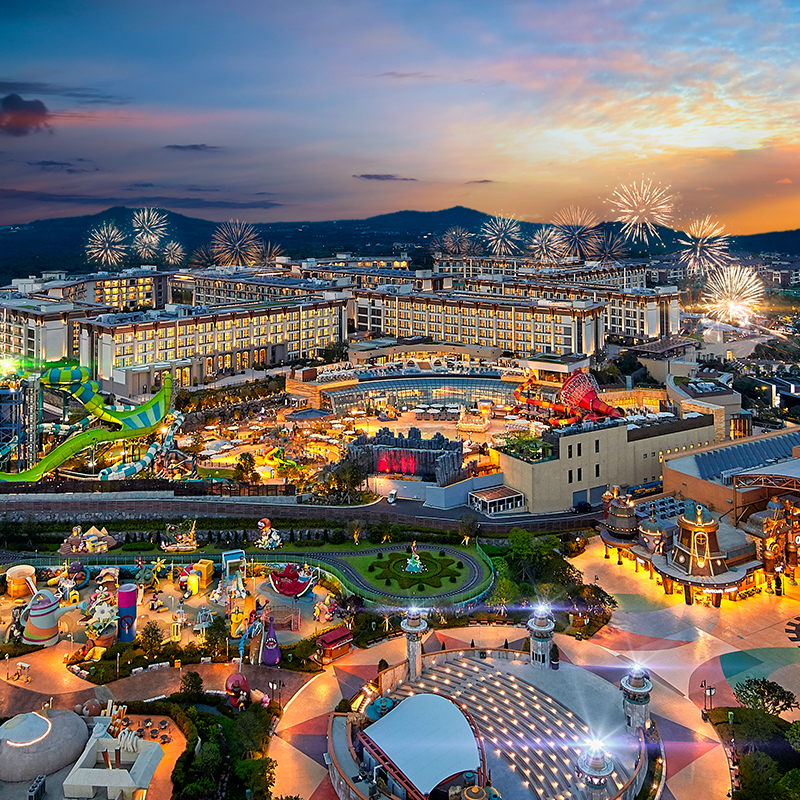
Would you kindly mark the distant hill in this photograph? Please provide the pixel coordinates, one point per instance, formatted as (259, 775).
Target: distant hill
(59, 243)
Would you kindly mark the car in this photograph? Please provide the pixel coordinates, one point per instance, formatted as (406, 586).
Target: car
(582, 507)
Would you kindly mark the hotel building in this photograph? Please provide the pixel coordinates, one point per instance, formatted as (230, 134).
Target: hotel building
(127, 352)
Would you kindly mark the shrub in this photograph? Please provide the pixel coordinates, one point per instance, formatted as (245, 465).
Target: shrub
(387, 582)
(452, 579)
(420, 587)
(371, 568)
(460, 565)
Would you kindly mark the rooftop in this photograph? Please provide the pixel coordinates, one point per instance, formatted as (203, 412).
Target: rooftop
(428, 738)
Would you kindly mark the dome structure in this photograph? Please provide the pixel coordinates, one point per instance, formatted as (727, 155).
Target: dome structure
(651, 533)
(40, 743)
(621, 526)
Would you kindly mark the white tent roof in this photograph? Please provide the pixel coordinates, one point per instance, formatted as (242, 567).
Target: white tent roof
(428, 739)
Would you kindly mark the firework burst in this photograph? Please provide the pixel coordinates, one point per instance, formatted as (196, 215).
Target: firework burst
(640, 207)
(705, 246)
(145, 246)
(202, 258)
(106, 245)
(174, 253)
(733, 294)
(545, 245)
(610, 248)
(576, 232)
(458, 241)
(150, 223)
(502, 235)
(268, 252)
(236, 244)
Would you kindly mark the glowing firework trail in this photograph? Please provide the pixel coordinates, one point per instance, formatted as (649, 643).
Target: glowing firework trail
(577, 233)
(610, 248)
(502, 235)
(106, 245)
(269, 251)
(458, 241)
(236, 244)
(705, 246)
(545, 245)
(733, 294)
(202, 258)
(145, 245)
(149, 223)
(640, 207)
(174, 253)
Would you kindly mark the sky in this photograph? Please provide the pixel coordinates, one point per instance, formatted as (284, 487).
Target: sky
(337, 109)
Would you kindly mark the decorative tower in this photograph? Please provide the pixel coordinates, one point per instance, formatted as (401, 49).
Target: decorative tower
(414, 627)
(595, 768)
(540, 631)
(636, 687)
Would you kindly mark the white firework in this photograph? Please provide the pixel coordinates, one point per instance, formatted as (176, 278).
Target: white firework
(149, 222)
(641, 207)
(502, 235)
(577, 234)
(545, 245)
(145, 246)
(733, 294)
(705, 246)
(106, 245)
(610, 248)
(174, 254)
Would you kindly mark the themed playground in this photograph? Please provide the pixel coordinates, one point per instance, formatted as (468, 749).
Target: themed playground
(255, 606)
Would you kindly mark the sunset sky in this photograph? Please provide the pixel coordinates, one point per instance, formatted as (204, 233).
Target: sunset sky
(316, 110)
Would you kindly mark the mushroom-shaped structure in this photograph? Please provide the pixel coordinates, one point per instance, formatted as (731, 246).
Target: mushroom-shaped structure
(651, 534)
(40, 743)
(621, 527)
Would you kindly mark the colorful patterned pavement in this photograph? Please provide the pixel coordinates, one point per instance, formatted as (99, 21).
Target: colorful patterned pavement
(680, 645)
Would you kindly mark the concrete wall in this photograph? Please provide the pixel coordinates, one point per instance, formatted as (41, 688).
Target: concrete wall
(607, 457)
(406, 490)
(457, 494)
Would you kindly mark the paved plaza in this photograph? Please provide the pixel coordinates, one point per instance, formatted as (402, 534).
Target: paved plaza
(680, 645)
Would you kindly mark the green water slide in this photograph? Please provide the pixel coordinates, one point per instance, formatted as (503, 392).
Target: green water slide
(137, 422)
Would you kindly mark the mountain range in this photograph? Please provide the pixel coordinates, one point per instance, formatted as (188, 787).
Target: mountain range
(59, 243)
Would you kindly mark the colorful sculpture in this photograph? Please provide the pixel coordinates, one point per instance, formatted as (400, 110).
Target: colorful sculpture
(127, 597)
(40, 618)
(414, 564)
(270, 538)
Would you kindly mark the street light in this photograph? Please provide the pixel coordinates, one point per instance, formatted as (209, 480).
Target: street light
(708, 699)
(226, 648)
(273, 686)
(6, 666)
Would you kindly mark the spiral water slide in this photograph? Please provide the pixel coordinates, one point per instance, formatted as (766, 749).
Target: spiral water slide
(138, 421)
(579, 394)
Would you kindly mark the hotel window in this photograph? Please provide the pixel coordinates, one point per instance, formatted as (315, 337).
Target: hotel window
(597, 470)
(580, 475)
(569, 477)
(597, 445)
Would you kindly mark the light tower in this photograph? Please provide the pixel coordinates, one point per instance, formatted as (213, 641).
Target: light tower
(414, 627)
(540, 632)
(595, 768)
(636, 687)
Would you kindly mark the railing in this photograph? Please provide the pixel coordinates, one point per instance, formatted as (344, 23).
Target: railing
(178, 489)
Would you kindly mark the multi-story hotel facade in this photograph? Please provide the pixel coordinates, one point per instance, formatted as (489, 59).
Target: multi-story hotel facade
(127, 352)
(520, 326)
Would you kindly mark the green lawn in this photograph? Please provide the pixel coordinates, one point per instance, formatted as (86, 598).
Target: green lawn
(215, 472)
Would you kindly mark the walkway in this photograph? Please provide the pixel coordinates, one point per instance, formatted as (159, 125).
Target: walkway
(337, 559)
(694, 756)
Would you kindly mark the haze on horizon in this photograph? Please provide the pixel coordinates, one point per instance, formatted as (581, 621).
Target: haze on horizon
(321, 110)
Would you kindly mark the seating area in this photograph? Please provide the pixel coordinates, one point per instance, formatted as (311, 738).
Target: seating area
(746, 455)
(663, 507)
(536, 735)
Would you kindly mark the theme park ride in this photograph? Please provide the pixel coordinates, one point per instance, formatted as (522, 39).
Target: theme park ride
(20, 422)
(577, 400)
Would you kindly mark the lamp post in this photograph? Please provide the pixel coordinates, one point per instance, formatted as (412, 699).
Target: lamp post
(118, 664)
(227, 640)
(6, 666)
(273, 686)
(708, 699)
